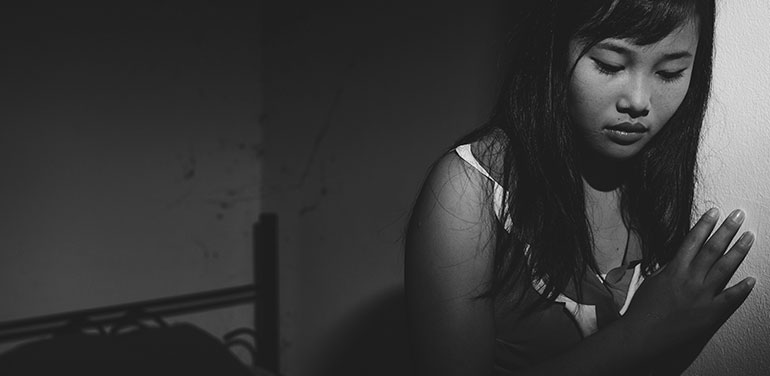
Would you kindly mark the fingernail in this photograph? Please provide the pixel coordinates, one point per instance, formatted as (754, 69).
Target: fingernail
(713, 213)
(737, 216)
(751, 282)
(747, 239)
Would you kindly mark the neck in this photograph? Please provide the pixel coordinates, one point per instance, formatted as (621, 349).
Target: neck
(602, 179)
(602, 175)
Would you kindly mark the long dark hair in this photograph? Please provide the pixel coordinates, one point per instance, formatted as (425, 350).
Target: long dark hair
(544, 198)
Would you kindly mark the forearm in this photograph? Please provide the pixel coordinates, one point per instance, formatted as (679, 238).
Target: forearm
(622, 347)
(619, 348)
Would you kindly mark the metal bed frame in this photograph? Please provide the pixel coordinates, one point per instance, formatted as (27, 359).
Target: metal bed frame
(109, 320)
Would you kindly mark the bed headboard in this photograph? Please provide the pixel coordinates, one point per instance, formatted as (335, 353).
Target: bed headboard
(109, 320)
(266, 280)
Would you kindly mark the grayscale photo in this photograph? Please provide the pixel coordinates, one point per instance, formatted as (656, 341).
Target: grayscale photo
(385, 188)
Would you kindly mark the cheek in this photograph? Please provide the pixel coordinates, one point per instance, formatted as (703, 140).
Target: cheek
(590, 97)
(587, 103)
(579, 96)
(576, 106)
(670, 100)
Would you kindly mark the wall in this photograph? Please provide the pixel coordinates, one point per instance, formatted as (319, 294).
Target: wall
(129, 151)
(361, 98)
(734, 161)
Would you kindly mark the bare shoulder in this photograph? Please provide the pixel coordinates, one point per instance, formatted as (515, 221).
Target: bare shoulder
(454, 193)
(450, 232)
(447, 265)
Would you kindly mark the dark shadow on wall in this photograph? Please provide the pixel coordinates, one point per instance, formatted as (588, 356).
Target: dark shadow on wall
(373, 341)
(180, 349)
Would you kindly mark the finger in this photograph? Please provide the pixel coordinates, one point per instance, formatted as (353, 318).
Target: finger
(717, 244)
(695, 238)
(732, 298)
(722, 270)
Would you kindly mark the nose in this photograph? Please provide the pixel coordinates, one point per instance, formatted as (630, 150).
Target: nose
(635, 98)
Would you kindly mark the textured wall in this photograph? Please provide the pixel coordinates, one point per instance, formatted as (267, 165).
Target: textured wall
(735, 164)
(360, 97)
(128, 153)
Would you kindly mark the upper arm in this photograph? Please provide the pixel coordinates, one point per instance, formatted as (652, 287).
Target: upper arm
(447, 264)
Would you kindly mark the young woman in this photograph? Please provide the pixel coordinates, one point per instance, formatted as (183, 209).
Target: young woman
(556, 239)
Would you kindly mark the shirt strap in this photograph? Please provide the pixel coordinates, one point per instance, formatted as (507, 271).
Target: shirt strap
(466, 154)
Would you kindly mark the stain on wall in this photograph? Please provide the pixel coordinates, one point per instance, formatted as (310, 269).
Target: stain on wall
(129, 151)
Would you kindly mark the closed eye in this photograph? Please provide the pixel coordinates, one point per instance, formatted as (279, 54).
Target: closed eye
(669, 76)
(606, 68)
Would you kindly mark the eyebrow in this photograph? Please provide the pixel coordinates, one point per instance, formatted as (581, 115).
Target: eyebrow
(627, 51)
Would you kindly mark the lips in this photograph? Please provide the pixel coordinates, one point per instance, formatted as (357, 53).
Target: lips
(626, 133)
(629, 127)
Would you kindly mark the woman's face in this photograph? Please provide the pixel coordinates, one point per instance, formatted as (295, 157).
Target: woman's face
(622, 94)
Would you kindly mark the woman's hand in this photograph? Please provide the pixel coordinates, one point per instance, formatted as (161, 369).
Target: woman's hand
(684, 304)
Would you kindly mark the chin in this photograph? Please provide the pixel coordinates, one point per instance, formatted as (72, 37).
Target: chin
(603, 148)
(621, 152)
